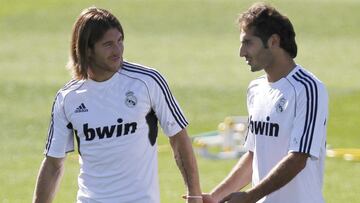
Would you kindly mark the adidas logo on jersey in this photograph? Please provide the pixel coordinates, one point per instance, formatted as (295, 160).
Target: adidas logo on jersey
(120, 129)
(264, 128)
(81, 108)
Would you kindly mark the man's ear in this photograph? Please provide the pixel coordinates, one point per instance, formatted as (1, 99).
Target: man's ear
(274, 41)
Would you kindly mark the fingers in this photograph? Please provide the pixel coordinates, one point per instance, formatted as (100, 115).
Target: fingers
(227, 198)
(206, 198)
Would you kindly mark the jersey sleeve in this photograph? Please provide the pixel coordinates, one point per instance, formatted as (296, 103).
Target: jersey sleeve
(309, 128)
(167, 109)
(60, 138)
(249, 140)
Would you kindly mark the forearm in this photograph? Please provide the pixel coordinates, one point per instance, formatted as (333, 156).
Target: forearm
(280, 175)
(239, 177)
(47, 182)
(186, 162)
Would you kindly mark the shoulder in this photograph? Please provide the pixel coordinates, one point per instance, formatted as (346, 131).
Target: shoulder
(140, 71)
(150, 76)
(69, 87)
(306, 82)
(255, 83)
(304, 79)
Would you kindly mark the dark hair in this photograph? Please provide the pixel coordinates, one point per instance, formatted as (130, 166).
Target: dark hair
(89, 28)
(265, 21)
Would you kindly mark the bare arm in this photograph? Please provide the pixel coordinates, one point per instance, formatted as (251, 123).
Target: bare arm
(279, 176)
(185, 160)
(239, 177)
(48, 180)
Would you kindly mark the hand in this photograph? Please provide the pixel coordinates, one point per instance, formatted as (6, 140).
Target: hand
(208, 198)
(240, 197)
(192, 200)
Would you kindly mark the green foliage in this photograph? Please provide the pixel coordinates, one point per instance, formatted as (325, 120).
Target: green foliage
(195, 45)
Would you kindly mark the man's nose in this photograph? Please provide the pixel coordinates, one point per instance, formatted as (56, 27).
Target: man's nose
(242, 52)
(118, 48)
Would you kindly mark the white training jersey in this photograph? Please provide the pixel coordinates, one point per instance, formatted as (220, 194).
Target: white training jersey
(288, 115)
(115, 124)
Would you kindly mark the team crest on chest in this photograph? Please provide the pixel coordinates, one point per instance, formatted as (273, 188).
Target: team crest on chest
(130, 99)
(281, 105)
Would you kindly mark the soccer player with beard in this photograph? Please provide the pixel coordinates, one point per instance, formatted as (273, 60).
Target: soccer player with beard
(112, 108)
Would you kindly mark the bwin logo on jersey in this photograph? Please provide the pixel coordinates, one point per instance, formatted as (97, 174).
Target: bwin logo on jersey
(264, 128)
(281, 105)
(130, 99)
(119, 129)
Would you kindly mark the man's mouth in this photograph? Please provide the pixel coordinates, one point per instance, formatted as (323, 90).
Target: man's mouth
(115, 58)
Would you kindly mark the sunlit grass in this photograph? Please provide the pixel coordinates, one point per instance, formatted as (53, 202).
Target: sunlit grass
(195, 45)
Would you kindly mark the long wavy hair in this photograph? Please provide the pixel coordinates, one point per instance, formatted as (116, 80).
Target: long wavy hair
(89, 28)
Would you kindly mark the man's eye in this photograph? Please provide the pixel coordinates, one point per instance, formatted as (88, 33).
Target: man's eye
(246, 42)
(107, 45)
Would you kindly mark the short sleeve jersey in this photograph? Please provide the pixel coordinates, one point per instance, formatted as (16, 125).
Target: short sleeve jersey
(115, 125)
(289, 115)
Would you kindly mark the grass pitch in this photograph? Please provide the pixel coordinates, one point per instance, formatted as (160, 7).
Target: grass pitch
(195, 45)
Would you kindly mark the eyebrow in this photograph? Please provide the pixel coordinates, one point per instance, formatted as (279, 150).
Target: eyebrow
(121, 38)
(107, 42)
(110, 41)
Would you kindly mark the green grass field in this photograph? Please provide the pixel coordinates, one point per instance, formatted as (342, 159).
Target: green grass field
(195, 45)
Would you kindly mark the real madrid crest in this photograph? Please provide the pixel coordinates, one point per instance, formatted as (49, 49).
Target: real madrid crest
(130, 99)
(281, 105)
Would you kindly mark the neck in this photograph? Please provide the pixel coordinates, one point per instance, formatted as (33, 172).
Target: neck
(100, 77)
(279, 69)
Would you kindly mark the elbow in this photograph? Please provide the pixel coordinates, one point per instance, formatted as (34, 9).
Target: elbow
(56, 165)
(299, 160)
(179, 140)
(302, 165)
